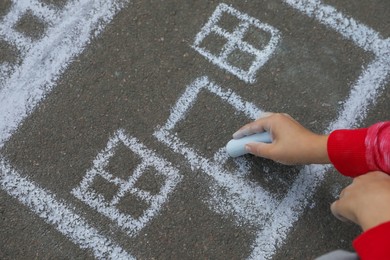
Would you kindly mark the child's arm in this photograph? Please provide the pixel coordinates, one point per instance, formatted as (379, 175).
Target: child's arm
(366, 202)
(352, 152)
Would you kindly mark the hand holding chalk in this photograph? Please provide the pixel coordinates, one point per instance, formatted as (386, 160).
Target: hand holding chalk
(292, 143)
(236, 147)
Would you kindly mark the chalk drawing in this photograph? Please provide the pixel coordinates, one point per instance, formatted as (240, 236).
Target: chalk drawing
(68, 31)
(41, 61)
(58, 214)
(363, 93)
(243, 199)
(256, 56)
(131, 224)
(280, 218)
(28, 82)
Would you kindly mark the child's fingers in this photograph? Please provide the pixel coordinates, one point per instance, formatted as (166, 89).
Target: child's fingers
(258, 126)
(254, 127)
(247, 129)
(244, 131)
(338, 210)
(259, 149)
(265, 114)
(343, 208)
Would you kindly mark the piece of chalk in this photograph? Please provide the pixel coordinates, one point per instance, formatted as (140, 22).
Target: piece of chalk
(236, 147)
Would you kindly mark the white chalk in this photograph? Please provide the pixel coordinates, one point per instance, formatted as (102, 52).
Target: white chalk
(236, 147)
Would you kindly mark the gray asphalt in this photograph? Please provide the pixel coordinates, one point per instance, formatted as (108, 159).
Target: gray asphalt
(131, 76)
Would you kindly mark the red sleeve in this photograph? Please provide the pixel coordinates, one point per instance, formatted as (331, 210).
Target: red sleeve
(358, 151)
(374, 243)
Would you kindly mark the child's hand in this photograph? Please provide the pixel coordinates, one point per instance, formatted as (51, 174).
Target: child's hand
(291, 142)
(366, 201)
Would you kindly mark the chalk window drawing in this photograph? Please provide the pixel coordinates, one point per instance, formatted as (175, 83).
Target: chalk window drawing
(236, 42)
(132, 203)
(241, 198)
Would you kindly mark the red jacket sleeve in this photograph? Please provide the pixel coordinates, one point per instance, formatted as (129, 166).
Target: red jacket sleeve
(374, 244)
(358, 151)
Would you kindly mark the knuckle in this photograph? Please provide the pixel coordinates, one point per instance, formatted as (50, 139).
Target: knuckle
(279, 116)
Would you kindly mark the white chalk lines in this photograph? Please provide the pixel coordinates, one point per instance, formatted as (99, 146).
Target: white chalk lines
(235, 43)
(23, 86)
(43, 60)
(280, 218)
(149, 161)
(363, 92)
(59, 214)
(243, 199)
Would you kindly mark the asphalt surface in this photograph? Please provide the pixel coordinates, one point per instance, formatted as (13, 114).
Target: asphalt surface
(130, 77)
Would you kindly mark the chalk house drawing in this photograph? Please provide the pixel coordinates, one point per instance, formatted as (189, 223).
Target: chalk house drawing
(243, 50)
(36, 82)
(363, 94)
(128, 188)
(272, 233)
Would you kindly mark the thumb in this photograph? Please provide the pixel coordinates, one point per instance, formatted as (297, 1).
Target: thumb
(259, 149)
(336, 211)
